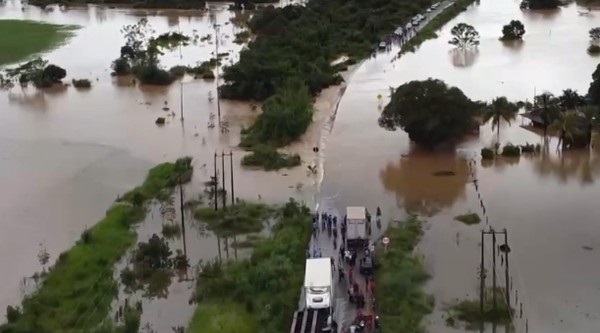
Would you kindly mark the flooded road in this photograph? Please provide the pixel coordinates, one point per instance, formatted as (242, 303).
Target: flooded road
(67, 154)
(548, 202)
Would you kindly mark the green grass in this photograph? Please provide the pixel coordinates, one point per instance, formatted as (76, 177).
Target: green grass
(222, 317)
(399, 281)
(262, 291)
(77, 293)
(429, 31)
(268, 158)
(469, 311)
(469, 218)
(241, 218)
(20, 39)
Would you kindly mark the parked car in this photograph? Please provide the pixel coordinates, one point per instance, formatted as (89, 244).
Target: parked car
(382, 45)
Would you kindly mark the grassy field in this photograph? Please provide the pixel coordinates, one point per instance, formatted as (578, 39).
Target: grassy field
(20, 39)
(77, 292)
(259, 292)
(399, 281)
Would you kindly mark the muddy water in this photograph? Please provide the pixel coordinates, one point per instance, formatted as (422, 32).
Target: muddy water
(67, 154)
(548, 203)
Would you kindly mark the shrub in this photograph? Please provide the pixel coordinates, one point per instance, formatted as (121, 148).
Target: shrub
(593, 49)
(178, 70)
(511, 151)
(487, 153)
(468, 219)
(170, 230)
(82, 83)
(13, 313)
(269, 158)
(153, 75)
(121, 67)
(530, 148)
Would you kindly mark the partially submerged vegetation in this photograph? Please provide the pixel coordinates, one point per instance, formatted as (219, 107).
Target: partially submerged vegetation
(469, 311)
(241, 218)
(77, 292)
(401, 302)
(431, 27)
(469, 218)
(82, 83)
(37, 71)
(268, 158)
(262, 291)
(28, 38)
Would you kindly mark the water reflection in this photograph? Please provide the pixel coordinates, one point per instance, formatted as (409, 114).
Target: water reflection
(463, 57)
(513, 45)
(33, 100)
(420, 184)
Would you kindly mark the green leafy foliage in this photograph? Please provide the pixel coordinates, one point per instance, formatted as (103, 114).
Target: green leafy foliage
(464, 36)
(487, 154)
(241, 218)
(512, 31)
(511, 151)
(82, 83)
(269, 158)
(469, 311)
(468, 219)
(430, 112)
(285, 117)
(302, 41)
(401, 302)
(77, 292)
(261, 291)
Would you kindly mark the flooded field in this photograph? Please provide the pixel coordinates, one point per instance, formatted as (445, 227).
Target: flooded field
(67, 154)
(547, 202)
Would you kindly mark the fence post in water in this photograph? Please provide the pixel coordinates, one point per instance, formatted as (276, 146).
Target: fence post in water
(216, 179)
(482, 276)
(506, 250)
(182, 216)
(231, 168)
(493, 270)
(181, 100)
(223, 173)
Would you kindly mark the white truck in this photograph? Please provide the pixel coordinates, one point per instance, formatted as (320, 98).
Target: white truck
(319, 283)
(356, 226)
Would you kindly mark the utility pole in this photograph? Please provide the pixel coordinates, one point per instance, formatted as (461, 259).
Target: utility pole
(181, 100)
(216, 179)
(493, 269)
(217, 30)
(223, 173)
(482, 276)
(231, 168)
(506, 250)
(182, 216)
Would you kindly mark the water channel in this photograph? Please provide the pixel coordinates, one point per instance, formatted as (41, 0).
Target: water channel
(67, 154)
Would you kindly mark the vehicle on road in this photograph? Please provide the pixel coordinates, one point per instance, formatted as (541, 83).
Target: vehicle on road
(382, 45)
(356, 230)
(319, 283)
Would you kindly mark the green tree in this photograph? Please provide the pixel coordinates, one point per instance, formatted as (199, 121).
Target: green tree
(594, 89)
(500, 109)
(567, 124)
(285, 117)
(430, 112)
(514, 30)
(595, 34)
(591, 114)
(547, 106)
(571, 100)
(464, 36)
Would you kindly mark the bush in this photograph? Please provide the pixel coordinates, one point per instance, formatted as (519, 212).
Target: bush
(12, 313)
(121, 67)
(170, 230)
(468, 219)
(153, 75)
(487, 153)
(593, 49)
(285, 117)
(82, 83)
(241, 37)
(178, 71)
(259, 293)
(511, 151)
(530, 148)
(269, 158)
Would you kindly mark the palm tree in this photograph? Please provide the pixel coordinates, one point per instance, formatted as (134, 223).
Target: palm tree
(547, 108)
(499, 109)
(591, 114)
(568, 125)
(570, 99)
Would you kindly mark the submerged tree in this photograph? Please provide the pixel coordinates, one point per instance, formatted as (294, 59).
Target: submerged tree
(594, 89)
(567, 124)
(513, 31)
(430, 112)
(464, 36)
(571, 100)
(500, 109)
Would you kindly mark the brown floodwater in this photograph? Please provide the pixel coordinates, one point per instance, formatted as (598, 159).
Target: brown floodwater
(548, 202)
(67, 154)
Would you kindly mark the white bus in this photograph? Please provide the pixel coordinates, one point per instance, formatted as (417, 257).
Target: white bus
(319, 283)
